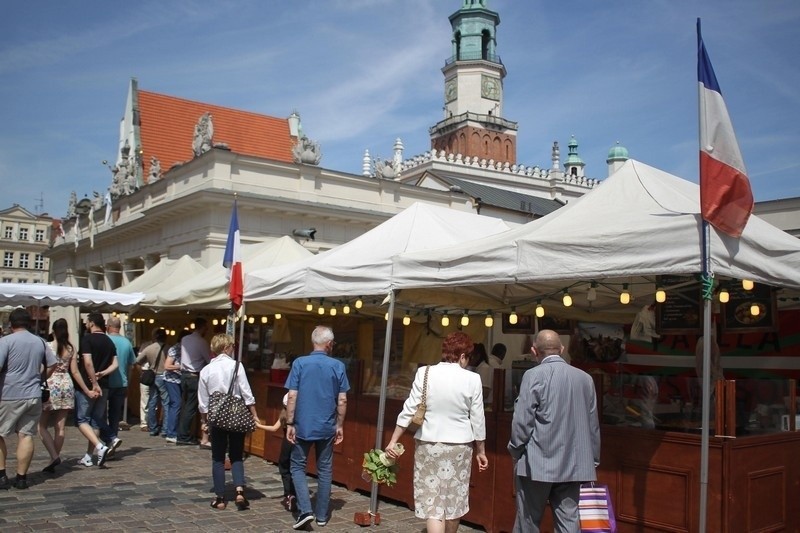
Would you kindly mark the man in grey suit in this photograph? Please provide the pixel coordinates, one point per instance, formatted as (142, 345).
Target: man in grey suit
(555, 438)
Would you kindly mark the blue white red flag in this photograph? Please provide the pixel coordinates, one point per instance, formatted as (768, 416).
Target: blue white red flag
(726, 199)
(233, 261)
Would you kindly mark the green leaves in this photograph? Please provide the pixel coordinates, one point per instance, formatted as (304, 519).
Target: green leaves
(379, 472)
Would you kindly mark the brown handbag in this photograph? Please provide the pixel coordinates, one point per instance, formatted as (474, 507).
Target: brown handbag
(419, 414)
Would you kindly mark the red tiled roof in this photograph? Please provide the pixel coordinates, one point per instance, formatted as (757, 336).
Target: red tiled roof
(168, 123)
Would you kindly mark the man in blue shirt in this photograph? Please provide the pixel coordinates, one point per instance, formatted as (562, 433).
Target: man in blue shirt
(315, 413)
(117, 382)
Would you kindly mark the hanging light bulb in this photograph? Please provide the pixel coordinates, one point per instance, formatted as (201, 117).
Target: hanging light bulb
(386, 316)
(539, 310)
(152, 320)
(513, 318)
(215, 322)
(321, 310)
(755, 310)
(724, 295)
(445, 320)
(465, 319)
(566, 299)
(190, 325)
(747, 284)
(359, 303)
(333, 311)
(278, 316)
(407, 319)
(251, 320)
(661, 295)
(624, 296)
(223, 321)
(264, 319)
(309, 306)
(591, 294)
(489, 320)
(346, 309)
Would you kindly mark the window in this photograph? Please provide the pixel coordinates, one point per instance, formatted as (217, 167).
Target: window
(38, 262)
(23, 234)
(8, 232)
(7, 280)
(8, 260)
(23, 260)
(39, 235)
(20, 280)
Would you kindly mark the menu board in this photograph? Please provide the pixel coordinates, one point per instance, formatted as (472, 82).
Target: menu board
(682, 311)
(736, 314)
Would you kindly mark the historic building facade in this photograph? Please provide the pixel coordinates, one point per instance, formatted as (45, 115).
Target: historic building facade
(24, 239)
(181, 163)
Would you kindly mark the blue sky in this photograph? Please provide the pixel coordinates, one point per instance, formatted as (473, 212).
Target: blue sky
(364, 72)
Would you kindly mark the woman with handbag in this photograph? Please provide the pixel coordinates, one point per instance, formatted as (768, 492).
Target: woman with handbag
(228, 411)
(62, 396)
(449, 400)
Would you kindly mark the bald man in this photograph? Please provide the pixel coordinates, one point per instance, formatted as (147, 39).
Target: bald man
(555, 438)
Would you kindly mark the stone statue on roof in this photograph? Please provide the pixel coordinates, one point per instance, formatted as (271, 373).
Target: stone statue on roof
(116, 182)
(97, 201)
(307, 151)
(203, 134)
(73, 201)
(155, 170)
(384, 168)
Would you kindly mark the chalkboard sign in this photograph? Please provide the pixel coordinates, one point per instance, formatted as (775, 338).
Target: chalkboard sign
(736, 314)
(682, 311)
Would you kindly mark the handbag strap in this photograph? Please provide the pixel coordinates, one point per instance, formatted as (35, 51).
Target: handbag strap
(424, 402)
(158, 357)
(233, 376)
(44, 360)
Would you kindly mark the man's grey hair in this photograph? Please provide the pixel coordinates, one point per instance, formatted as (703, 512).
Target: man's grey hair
(321, 335)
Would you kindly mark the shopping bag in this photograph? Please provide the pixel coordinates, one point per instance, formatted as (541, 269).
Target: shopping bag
(595, 509)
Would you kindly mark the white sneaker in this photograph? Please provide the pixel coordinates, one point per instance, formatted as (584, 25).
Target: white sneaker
(102, 455)
(173, 440)
(86, 461)
(116, 443)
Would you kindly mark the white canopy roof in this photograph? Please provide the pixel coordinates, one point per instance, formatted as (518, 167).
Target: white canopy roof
(209, 290)
(42, 294)
(363, 266)
(165, 274)
(640, 222)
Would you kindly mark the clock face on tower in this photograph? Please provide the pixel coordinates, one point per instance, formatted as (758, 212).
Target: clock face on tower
(450, 91)
(490, 87)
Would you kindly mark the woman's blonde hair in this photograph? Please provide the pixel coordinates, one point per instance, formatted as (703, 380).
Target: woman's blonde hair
(220, 341)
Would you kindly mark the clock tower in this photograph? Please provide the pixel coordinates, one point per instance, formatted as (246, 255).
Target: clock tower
(473, 123)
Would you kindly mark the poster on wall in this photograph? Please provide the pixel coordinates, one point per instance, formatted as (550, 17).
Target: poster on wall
(737, 314)
(604, 343)
(682, 311)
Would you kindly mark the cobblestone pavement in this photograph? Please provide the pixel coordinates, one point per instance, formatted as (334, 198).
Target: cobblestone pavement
(151, 485)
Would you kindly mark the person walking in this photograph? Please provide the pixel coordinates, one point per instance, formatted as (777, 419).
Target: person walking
(195, 355)
(62, 396)
(315, 413)
(155, 355)
(172, 380)
(454, 428)
(90, 371)
(555, 438)
(216, 377)
(24, 359)
(117, 382)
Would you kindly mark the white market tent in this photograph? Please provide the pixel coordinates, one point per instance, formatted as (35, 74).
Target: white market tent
(209, 289)
(639, 223)
(41, 294)
(164, 274)
(363, 266)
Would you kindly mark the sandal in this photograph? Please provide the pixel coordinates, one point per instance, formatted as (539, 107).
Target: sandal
(219, 503)
(241, 501)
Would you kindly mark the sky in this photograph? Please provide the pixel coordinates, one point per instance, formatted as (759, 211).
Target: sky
(362, 73)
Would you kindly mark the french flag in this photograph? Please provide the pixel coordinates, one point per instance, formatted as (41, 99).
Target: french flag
(233, 261)
(726, 199)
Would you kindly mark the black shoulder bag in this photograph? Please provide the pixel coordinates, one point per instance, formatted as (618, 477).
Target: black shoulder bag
(229, 412)
(148, 375)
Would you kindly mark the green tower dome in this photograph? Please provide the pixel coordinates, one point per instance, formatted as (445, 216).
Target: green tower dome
(617, 153)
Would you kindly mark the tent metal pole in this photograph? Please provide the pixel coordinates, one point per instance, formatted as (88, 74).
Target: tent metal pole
(706, 381)
(373, 495)
(241, 333)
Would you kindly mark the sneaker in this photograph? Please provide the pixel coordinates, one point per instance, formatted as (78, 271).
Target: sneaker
(322, 523)
(86, 461)
(172, 440)
(288, 502)
(302, 520)
(102, 455)
(4, 484)
(21, 484)
(112, 447)
(51, 468)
